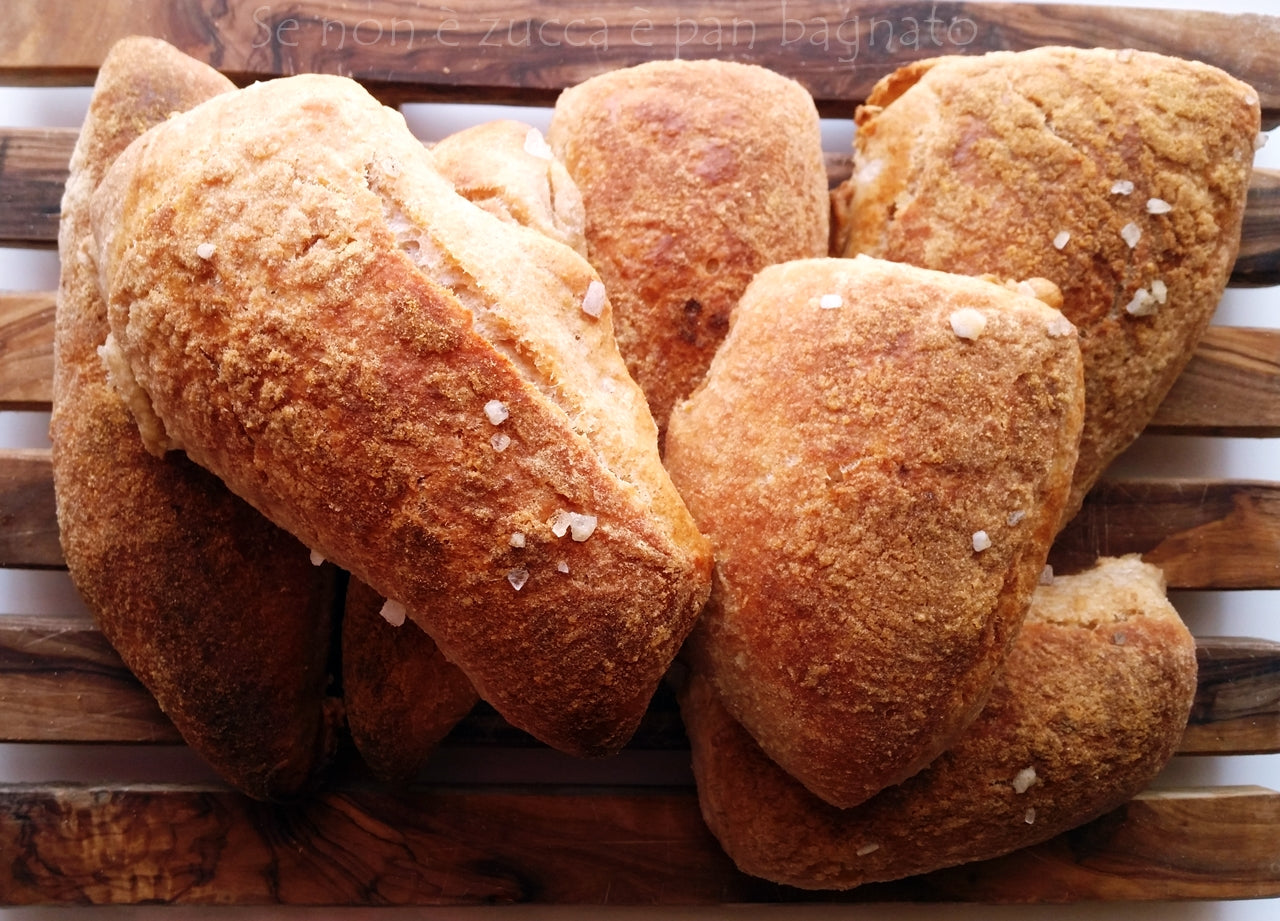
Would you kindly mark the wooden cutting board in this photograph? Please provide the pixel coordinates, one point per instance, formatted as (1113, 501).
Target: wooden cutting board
(626, 831)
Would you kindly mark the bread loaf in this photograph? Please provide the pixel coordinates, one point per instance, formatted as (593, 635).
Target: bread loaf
(506, 167)
(695, 175)
(219, 613)
(401, 695)
(1090, 706)
(879, 455)
(1119, 175)
(301, 302)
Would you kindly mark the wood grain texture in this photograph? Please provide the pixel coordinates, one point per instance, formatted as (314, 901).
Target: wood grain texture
(33, 170)
(28, 511)
(1231, 387)
(173, 845)
(496, 51)
(26, 350)
(61, 682)
(1256, 263)
(1237, 705)
(1202, 533)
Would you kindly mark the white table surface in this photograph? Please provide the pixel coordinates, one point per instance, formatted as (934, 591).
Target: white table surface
(1207, 613)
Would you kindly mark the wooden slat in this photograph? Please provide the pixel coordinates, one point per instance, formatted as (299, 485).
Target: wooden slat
(26, 349)
(1237, 706)
(28, 512)
(1257, 262)
(1204, 534)
(1231, 387)
(33, 169)
(497, 51)
(62, 844)
(60, 681)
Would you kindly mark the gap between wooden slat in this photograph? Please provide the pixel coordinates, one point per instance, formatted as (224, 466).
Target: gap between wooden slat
(64, 844)
(60, 681)
(1231, 386)
(33, 171)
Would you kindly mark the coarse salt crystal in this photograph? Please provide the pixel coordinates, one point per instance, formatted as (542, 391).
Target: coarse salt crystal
(1124, 55)
(968, 323)
(317, 558)
(496, 412)
(867, 172)
(1160, 291)
(1158, 206)
(1023, 780)
(536, 145)
(1015, 517)
(1046, 575)
(576, 525)
(1250, 99)
(1061, 240)
(206, 250)
(1143, 304)
(517, 539)
(500, 442)
(1119, 638)
(593, 300)
(562, 566)
(1131, 233)
(517, 578)
(393, 612)
(1260, 141)
(1029, 817)
(1060, 326)
(1122, 187)
(980, 541)
(830, 301)
(867, 849)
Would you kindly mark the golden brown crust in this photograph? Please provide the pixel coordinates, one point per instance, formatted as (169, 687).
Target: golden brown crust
(507, 168)
(695, 175)
(402, 696)
(1005, 164)
(334, 356)
(1091, 705)
(843, 460)
(219, 613)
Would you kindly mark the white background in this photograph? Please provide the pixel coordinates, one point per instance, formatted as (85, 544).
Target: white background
(1207, 613)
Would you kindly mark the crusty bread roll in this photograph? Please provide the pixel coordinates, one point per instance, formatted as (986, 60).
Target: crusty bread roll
(1091, 705)
(879, 455)
(506, 168)
(304, 304)
(219, 613)
(1121, 176)
(401, 695)
(695, 175)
